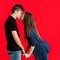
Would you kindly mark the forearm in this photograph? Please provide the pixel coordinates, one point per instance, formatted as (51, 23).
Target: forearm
(31, 49)
(17, 40)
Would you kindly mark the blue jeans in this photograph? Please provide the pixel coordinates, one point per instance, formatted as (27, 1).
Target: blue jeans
(14, 55)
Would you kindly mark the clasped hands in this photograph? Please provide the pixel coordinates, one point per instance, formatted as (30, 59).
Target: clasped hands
(25, 54)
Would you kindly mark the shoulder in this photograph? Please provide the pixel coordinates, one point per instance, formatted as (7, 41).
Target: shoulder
(9, 23)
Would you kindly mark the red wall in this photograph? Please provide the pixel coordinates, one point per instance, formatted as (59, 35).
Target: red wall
(47, 16)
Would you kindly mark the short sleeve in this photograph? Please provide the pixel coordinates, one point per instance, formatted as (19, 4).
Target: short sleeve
(32, 39)
(12, 25)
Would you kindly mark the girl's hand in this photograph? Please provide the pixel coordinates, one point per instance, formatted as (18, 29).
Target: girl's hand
(26, 55)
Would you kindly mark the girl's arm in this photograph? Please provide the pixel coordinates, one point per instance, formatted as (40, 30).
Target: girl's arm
(29, 51)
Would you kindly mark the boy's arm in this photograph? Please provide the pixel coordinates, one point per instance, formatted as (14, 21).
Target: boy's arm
(17, 40)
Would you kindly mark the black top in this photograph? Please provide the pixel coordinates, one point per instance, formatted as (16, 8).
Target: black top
(10, 25)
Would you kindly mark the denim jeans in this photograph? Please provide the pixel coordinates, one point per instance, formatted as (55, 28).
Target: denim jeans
(14, 55)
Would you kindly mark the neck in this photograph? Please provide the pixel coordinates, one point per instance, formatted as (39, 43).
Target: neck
(13, 15)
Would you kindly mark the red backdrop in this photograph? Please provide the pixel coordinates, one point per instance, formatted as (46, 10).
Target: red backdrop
(47, 16)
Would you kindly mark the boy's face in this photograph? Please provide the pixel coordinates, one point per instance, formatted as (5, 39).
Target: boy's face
(22, 17)
(19, 14)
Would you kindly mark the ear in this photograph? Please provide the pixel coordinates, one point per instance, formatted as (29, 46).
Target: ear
(15, 12)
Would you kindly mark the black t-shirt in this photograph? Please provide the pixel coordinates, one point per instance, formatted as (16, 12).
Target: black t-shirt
(10, 25)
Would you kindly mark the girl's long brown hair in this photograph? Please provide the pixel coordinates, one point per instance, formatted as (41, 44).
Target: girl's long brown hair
(28, 24)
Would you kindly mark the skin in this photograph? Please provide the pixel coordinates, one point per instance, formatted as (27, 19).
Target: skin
(17, 14)
(29, 51)
(22, 17)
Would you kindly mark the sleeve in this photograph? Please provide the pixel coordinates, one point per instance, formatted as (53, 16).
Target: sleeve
(12, 26)
(32, 39)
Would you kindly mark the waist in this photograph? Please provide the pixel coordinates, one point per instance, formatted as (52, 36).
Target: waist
(13, 47)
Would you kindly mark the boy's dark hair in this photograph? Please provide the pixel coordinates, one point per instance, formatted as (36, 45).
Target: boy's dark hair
(17, 7)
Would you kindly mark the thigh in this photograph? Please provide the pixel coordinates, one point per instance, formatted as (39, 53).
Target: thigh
(15, 55)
